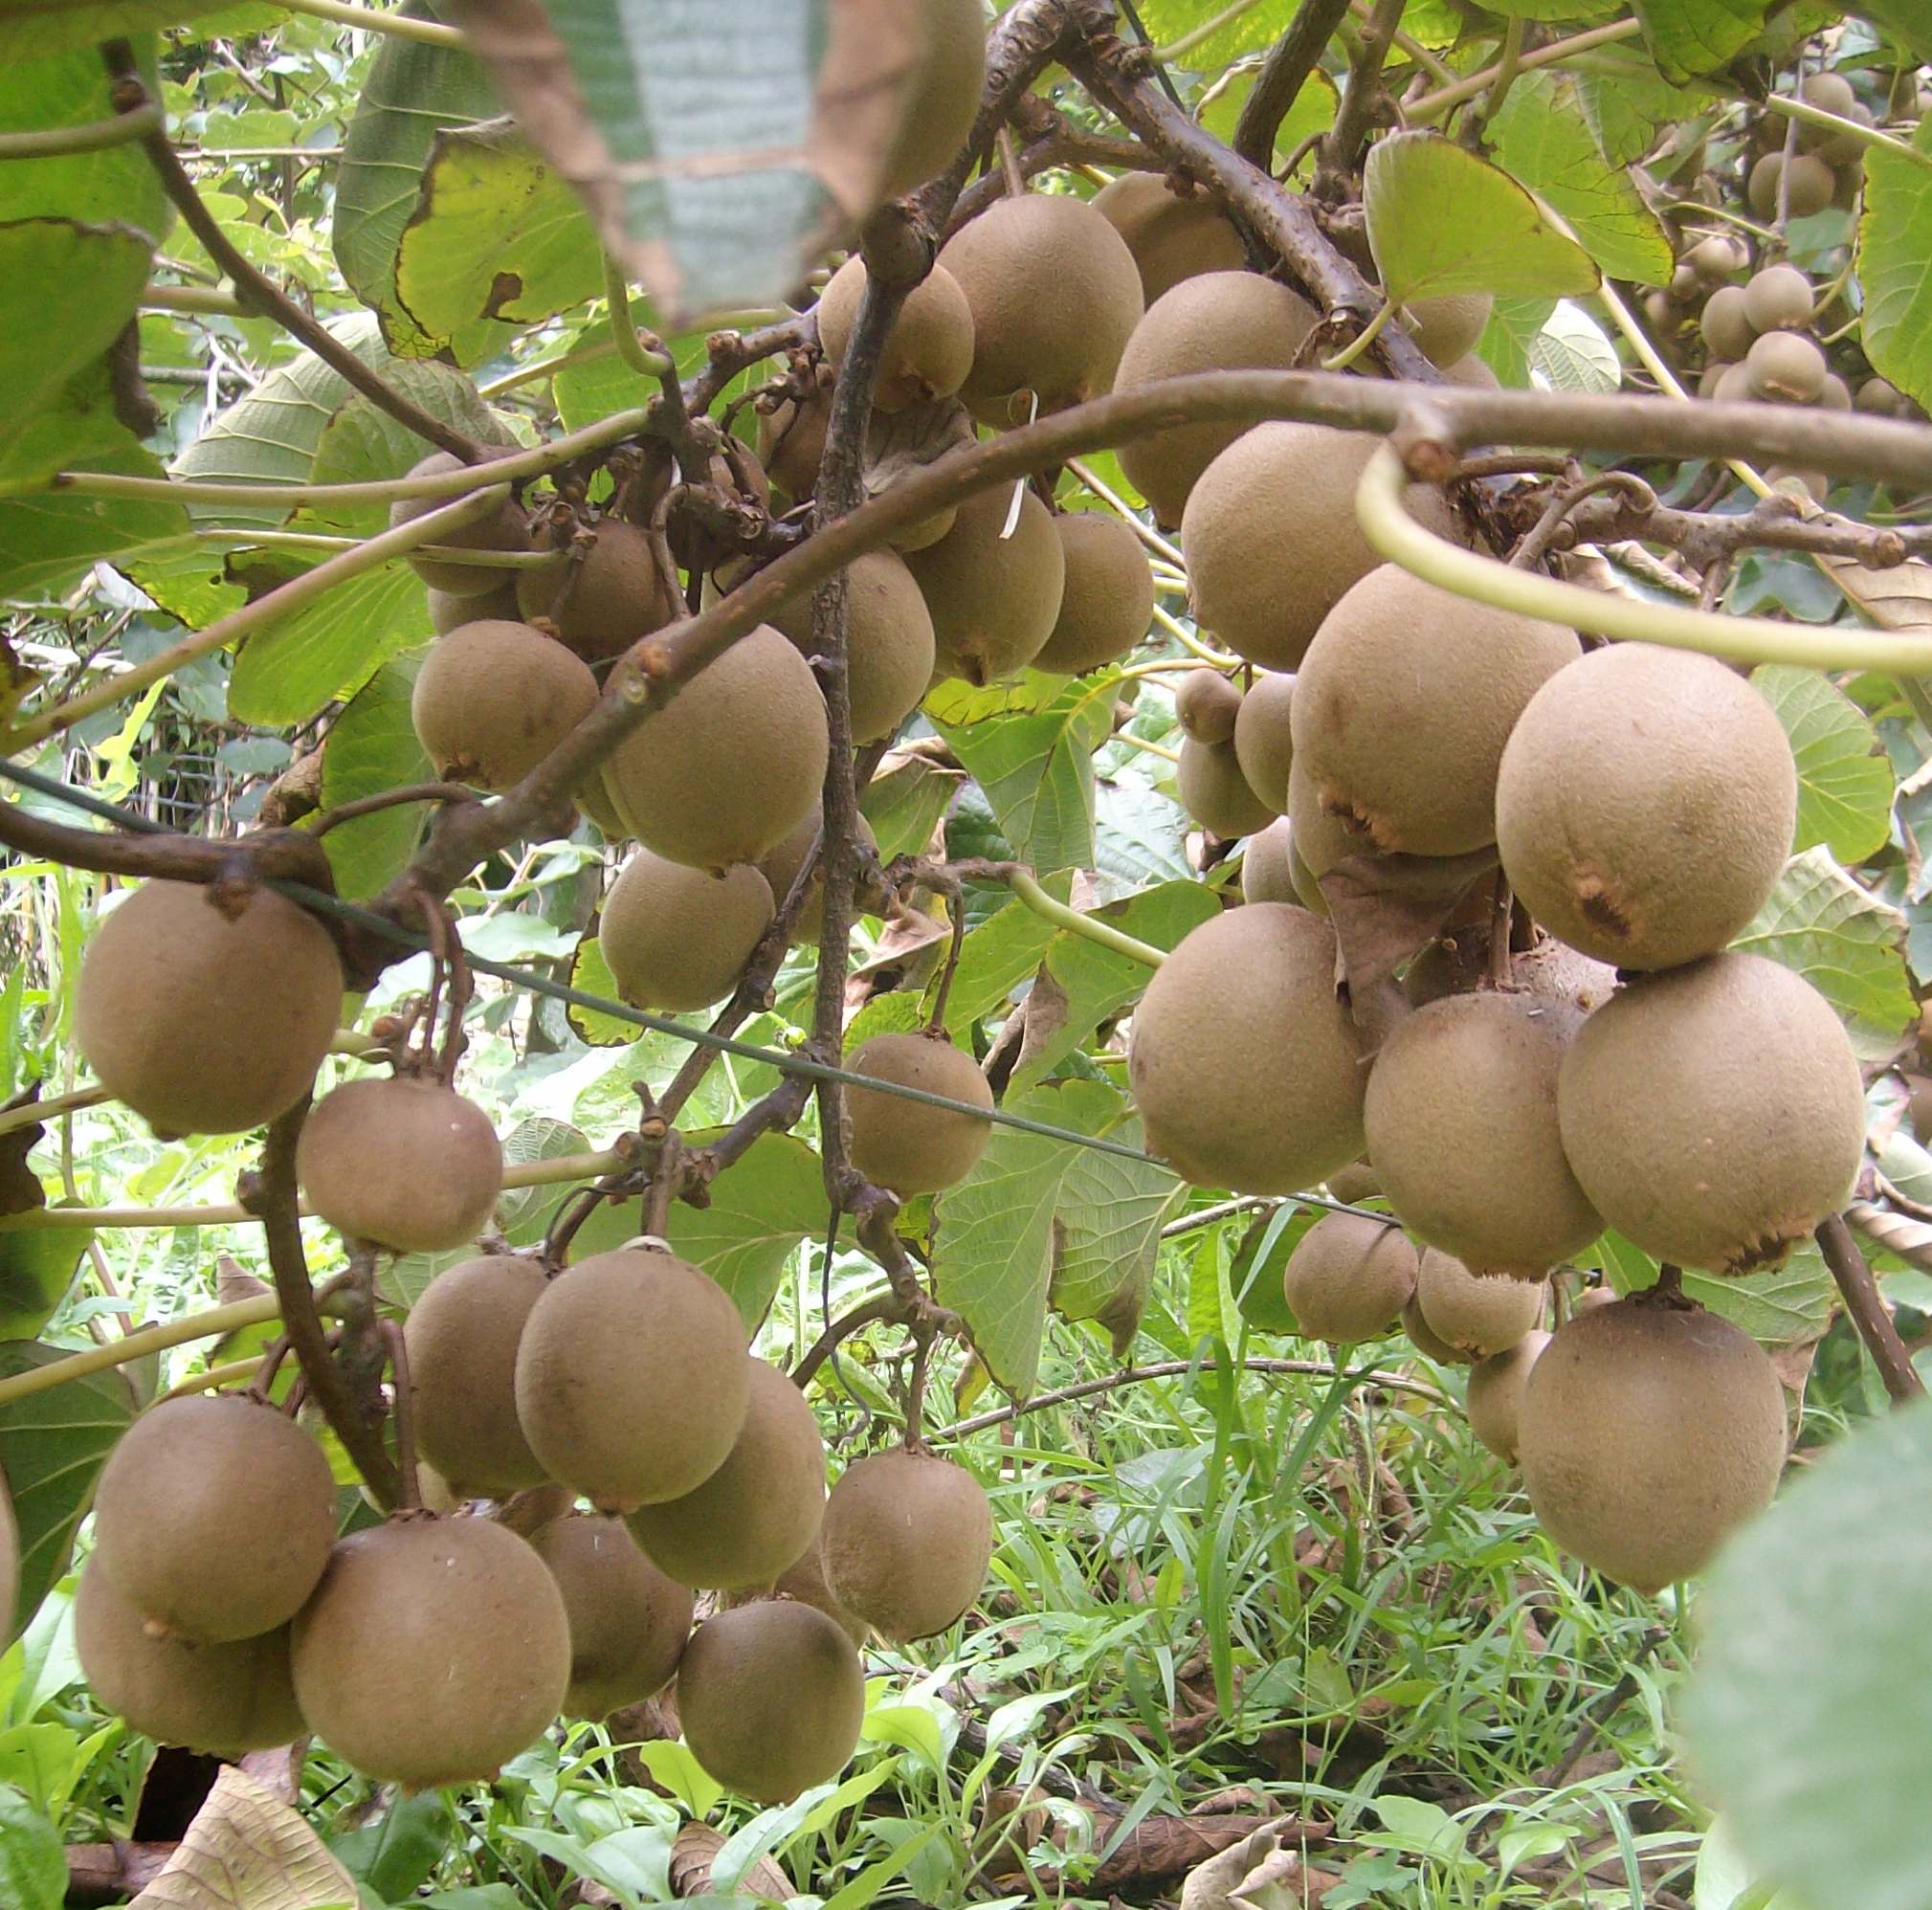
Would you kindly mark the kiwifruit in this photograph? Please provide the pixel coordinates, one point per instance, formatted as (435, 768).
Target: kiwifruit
(771, 1697)
(759, 1511)
(1646, 804)
(601, 603)
(627, 1620)
(1717, 258)
(806, 1581)
(1832, 93)
(220, 1700)
(889, 652)
(679, 939)
(1207, 704)
(461, 1337)
(1317, 840)
(1172, 235)
(1264, 738)
(493, 698)
(1473, 373)
(502, 529)
(1647, 1432)
(1494, 1396)
(404, 1163)
(1399, 657)
(1476, 1314)
(432, 1652)
(1733, 386)
(1460, 1116)
(214, 1518)
(994, 599)
(1271, 538)
(943, 97)
(1214, 792)
(1108, 600)
(929, 349)
(447, 612)
(792, 440)
(1447, 327)
(1219, 322)
(1055, 296)
(10, 1563)
(1267, 869)
(1813, 184)
(1778, 298)
(631, 1378)
(1205, 1059)
(905, 1543)
(780, 868)
(1727, 333)
(1711, 377)
(1878, 398)
(1349, 1278)
(1424, 1340)
(905, 1144)
(1648, 1100)
(1835, 395)
(732, 763)
(1355, 1183)
(1784, 366)
(172, 1013)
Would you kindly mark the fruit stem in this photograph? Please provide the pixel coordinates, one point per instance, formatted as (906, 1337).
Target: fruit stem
(1362, 340)
(410, 1499)
(1386, 522)
(1431, 106)
(1036, 899)
(631, 348)
(97, 136)
(208, 1380)
(365, 19)
(1869, 1312)
(1806, 114)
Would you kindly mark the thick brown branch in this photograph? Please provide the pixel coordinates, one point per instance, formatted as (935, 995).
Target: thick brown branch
(1294, 56)
(1335, 175)
(1870, 1314)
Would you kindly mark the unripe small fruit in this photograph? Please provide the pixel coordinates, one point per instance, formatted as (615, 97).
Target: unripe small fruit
(1494, 1396)
(1216, 794)
(1349, 1278)
(1717, 258)
(677, 939)
(1448, 327)
(1207, 704)
(1108, 599)
(905, 1543)
(1812, 185)
(1264, 738)
(627, 1621)
(1727, 331)
(602, 602)
(1173, 235)
(1477, 1313)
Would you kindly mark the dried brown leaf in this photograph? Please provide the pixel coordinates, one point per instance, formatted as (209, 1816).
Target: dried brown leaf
(245, 1850)
(1388, 908)
(695, 1849)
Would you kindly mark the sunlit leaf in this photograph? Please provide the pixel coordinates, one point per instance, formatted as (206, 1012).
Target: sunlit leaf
(1895, 240)
(1845, 780)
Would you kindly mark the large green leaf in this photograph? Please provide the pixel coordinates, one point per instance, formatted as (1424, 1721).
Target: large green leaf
(1037, 767)
(1253, 31)
(1107, 1229)
(905, 802)
(1903, 20)
(361, 444)
(994, 958)
(1848, 945)
(1809, 1713)
(1543, 142)
(760, 1211)
(32, 1864)
(1780, 1307)
(1894, 243)
(372, 746)
(32, 33)
(36, 1268)
(1845, 780)
(51, 1446)
(48, 538)
(1441, 220)
(329, 648)
(1628, 113)
(496, 236)
(1688, 36)
(116, 186)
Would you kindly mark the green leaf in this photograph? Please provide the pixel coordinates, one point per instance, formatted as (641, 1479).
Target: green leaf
(1894, 242)
(759, 1213)
(994, 958)
(495, 237)
(1904, 21)
(51, 1446)
(1441, 220)
(1848, 945)
(1689, 36)
(1629, 111)
(1260, 1258)
(360, 443)
(523, 1213)
(1313, 111)
(1253, 31)
(1515, 325)
(903, 805)
(1036, 770)
(1780, 1307)
(1107, 1236)
(36, 1268)
(412, 93)
(1543, 142)
(1571, 352)
(328, 649)
(32, 1862)
(372, 746)
(1845, 780)
(48, 539)
(53, 25)
(401, 1850)
(1806, 1714)
(116, 186)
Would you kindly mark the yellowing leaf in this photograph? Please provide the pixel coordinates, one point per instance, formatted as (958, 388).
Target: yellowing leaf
(245, 1850)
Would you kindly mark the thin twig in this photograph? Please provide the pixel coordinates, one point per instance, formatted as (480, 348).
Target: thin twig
(325, 820)
(1870, 1314)
(1287, 69)
(1334, 174)
(403, 1404)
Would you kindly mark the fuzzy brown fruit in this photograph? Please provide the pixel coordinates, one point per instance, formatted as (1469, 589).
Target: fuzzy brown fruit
(943, 96)
(677, 939)
(1447, 327)
(1646, 804)
(1205, 1059)
(1813, 184)
(503, 528)
(994, 599)
(927, 352)
(600, 604)
(1778, 298)
(889, 643)
(404, 1163)
(791, 439)
(1318, 840)
(905, 1543)
(1107, 602)
(1220, 322)
(1473, 1314)
(1649, 1098)
(1055, 296)
(1460, 1116)
(220, 1700)
(771, 1697)
(1495, 1395)
(1264, 738)
(631, 1378)
(1785, 369)
(1398, 657)
(214, 1518)
(461, 1338)
(730, 766)
(758, 1514)
(1727, 329)
(449, 612)
(806, 1581)
(1647, 1433)
(1209, 781)
(780, 868)
(1267, 865)
(1349, 1278)
(491, 699)
(1173, 235)
(907, 1146)
(627, 1621)
(434, 1650)
(1207, 704)
(172, 1015)
(1428, 1341)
